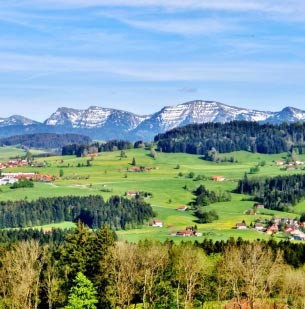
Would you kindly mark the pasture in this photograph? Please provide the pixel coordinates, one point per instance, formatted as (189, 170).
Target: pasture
(170, 181)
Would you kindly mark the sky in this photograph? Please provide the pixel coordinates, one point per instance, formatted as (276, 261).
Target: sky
(142, 55)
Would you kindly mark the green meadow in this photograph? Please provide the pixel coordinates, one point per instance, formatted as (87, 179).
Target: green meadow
(10, 152)
(168, 181)
(7, 152)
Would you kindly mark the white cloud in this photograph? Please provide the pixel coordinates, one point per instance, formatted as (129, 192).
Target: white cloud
(154, 71)
(182, 26)
(281, 6)
(188, 89)
(282, 10)
(170, 4)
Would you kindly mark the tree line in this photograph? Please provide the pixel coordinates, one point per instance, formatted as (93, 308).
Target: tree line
(44, 140)
(117, 212)
(81, 150)
(90, 267)
(233, 136)
(204, 197)
(279, 192)
(52, 236)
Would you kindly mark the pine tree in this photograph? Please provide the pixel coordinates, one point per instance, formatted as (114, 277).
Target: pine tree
(83, 294)
(99, 265)
(75, 253)
(61, 172)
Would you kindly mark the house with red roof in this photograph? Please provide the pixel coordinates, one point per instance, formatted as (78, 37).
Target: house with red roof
(241, 226)
(218, 178)
(181, 208)
(157, 223)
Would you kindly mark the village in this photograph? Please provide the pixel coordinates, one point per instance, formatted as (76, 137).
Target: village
(11, 178)
(291, 227)
(291, 165)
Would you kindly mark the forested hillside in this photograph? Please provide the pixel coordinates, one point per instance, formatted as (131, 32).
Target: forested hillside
(44, 140)
(205, 139)
(280, 192)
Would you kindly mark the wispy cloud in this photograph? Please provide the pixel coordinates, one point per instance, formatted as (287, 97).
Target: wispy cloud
(182, 26)
(281, 10)
(170, 4)
(155, 71)
(279, 6)
(188, 89)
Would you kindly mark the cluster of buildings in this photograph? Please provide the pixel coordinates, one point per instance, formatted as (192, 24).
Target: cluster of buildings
(13, 163)
(277, 224)
(289, 165)
(20, 163)
(10, 178)
(189, 231)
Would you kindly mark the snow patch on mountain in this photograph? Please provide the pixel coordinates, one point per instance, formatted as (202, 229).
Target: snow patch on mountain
(16, 120)
(107, 123)
(288, 114)
(94, 117)
(197, 112)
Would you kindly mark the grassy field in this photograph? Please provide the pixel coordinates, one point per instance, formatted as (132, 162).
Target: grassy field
(10, 152)
(7, 152)
(168, 182)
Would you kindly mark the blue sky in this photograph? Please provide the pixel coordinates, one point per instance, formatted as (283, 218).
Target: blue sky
(142, 55)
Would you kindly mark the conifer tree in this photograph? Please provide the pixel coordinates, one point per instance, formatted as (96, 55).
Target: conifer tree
(83, 294)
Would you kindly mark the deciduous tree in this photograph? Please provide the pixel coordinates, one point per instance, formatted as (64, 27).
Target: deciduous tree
(191, 266)
(125, 271)
(251, 271)
(20, 275)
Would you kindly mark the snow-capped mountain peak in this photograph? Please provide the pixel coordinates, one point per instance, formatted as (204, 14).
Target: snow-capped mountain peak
(94, 117)
(107, 123)
(16, 120)
(198, 112)
(288, 114)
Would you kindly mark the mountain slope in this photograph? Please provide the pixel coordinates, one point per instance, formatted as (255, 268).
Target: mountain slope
(196, 112)
(16, 120)
(107, 123)
(288, 114)
(94, 117)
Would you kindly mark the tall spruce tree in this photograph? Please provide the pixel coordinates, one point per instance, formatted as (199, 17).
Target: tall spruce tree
(82, 294)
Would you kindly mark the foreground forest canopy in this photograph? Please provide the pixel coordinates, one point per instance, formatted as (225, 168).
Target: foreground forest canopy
(89, 267)
(233, 136)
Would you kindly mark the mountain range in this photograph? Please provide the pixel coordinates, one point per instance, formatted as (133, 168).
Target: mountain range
(106, 123)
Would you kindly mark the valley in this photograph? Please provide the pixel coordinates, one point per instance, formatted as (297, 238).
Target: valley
(170, 180)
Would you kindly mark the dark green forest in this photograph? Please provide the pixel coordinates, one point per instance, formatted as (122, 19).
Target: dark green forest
(233, 136)
(280, 192)
(44, 140)
(204, 197)
(80, 150)
(117, 212)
